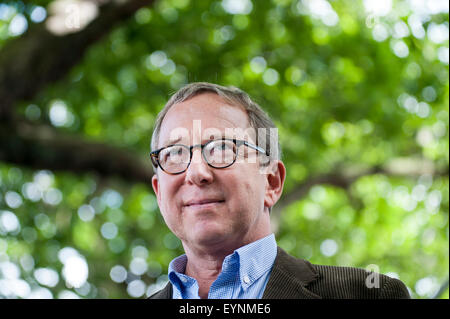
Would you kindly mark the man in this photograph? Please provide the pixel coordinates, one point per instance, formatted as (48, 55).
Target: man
(218, 174)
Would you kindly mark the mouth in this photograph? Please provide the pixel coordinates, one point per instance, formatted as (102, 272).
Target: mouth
(204, 203)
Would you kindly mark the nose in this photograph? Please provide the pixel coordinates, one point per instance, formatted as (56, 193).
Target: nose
(198, 172)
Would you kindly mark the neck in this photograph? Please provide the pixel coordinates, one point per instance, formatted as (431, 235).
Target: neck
(205, 270)
(205, 263)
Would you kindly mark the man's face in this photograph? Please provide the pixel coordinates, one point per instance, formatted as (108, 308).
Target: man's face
(205, 206)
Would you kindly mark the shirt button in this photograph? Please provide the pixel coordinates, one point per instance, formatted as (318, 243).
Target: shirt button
(246, 279)
(183, 279)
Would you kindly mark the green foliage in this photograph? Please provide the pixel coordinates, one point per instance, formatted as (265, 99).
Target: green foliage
(349, 94)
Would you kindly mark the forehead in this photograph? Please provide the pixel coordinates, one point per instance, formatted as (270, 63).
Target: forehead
(200, 115)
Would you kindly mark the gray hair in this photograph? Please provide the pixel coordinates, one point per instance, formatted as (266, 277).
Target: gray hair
(256, 115)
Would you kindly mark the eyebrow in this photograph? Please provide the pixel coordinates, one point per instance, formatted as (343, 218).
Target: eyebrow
(170, 142)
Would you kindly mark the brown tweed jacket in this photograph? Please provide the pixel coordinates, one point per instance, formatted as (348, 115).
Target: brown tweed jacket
(293, 278)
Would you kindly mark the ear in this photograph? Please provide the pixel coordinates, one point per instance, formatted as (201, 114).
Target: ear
(275, 177)
(155, 185)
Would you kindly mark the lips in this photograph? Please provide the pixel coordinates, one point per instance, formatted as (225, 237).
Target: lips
(200, 202)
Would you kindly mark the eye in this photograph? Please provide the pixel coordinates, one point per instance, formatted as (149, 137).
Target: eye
(220, 146)
(171, 153)
(176, 151)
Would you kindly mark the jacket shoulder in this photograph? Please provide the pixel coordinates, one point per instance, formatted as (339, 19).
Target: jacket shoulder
(355, 283)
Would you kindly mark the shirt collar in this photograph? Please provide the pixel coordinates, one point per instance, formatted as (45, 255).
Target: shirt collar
(252, 261)
(177, 268)
(255, 259)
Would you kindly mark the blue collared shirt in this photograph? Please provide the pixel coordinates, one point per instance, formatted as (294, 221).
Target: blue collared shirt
(244, 274)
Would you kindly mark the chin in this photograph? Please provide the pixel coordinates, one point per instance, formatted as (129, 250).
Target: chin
(209, 236)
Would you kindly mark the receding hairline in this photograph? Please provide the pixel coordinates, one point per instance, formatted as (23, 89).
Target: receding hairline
(227, 100)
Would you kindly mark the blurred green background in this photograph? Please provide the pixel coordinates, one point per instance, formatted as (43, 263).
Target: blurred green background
(358, 89)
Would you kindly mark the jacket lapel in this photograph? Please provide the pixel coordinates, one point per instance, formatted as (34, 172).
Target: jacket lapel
(165, 293)
(289, 278)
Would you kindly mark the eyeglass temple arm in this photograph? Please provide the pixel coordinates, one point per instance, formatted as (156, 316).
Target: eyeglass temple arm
(256, 148)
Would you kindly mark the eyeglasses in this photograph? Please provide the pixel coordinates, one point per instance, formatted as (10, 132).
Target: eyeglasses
(221, 153)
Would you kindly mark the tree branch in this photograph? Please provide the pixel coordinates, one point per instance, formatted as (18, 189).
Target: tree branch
(38, 58)
(42, 147)
(344, 177)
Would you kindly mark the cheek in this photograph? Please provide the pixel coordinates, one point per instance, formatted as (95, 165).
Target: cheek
(167, 202)
(169, 190)
(249, 191)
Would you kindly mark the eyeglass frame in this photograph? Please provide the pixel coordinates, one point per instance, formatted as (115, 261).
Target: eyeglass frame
(154, 155)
